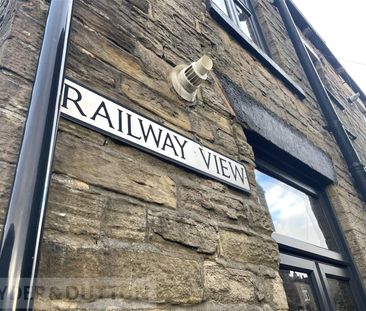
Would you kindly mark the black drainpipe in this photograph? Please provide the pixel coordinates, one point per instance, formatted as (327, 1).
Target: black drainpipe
(356, 168)
(22, 231)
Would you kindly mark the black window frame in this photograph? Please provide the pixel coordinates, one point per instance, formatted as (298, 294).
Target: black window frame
(290, 262)
(318, 273)
(261, 53)
(295, 246)
(246, 6)
(317, 261)
(296, 254)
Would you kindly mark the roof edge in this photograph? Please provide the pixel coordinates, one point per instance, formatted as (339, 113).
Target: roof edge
(314, 37)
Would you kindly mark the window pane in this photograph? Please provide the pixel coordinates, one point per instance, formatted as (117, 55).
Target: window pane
(244, 21)
(341, 294)
(222, 5)
(299, 292)
(294, 213)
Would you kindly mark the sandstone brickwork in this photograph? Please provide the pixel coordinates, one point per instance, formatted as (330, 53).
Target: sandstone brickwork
(170, 239)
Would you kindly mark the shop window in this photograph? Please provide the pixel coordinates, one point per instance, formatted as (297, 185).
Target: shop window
(239, 19)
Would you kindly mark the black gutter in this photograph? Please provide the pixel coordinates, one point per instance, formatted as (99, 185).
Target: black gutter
(314, 37)
(355, 166)
(22, 231)
(353, 161)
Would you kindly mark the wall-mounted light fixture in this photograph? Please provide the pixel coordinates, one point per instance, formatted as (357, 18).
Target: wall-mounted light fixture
(187, 78)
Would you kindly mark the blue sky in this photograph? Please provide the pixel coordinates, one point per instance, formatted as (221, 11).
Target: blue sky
(342, 25)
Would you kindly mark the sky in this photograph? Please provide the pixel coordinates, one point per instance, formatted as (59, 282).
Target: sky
(342, 25)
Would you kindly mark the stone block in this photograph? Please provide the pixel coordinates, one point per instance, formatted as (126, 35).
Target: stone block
(174, 24)
(123, 274)
(201, 127)
(155, 277)
(120, 172)
(184, 229)
(156, 104)
(260, 218)
(74, 208)
(10, 135)
(62, 260)
(226, 143)
(228, 285)
(19, 57)
(90, 75)
(80, 132)
(246, 248)
(210, 198)
(218, 306)
(7, 12)
(124, 218)
(275, 292)
(114, 56)
(214, 97)
(98, 17)
(36, 9)
(26, 29)
(15, 92)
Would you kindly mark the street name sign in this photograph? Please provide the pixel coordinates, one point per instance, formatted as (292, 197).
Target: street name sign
(88, 108)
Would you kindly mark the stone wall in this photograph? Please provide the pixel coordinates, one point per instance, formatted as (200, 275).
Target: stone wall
(170, 239)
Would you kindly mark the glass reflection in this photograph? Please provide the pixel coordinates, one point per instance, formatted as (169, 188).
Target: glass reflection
(299, 292)
(341, 294)
(222, 5)
(294, 213)
(243, 21)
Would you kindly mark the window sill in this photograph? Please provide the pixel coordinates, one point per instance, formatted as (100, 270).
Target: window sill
(246, 43)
